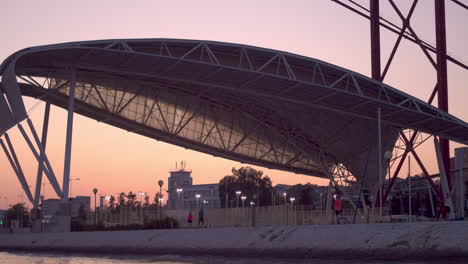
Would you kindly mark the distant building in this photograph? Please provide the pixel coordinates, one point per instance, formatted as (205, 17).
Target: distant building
(187, 197)
(459, 167)
(51, 207)
(80, 202)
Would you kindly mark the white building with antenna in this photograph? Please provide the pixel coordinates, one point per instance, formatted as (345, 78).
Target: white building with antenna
(183, 194)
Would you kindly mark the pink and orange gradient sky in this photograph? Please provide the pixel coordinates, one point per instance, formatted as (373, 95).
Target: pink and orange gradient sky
(114, 160)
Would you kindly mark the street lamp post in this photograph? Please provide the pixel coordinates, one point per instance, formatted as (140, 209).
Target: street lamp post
(237, 198)
(285, 195)
(243, 200)
(252, 205)
(292, 199)
(179, 191)
(140, 194)
(197, 196)
(321, 202)
(95, 190)
(71, 184)
(160, 183)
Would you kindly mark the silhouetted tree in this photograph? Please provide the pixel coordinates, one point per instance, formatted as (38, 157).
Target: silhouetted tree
(19, 212)
(250, 182)
(131, 200)
(112, 201)
(305, 194)
(156, 198)
(121, 199)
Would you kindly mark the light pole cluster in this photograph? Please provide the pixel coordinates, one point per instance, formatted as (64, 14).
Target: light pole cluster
(291, 199)
(141, 194)
(161, 199)
(237, 198)
(197, 196)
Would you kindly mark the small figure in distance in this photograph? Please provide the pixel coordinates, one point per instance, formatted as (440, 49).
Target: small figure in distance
(190, 219)
(201, 217)
(337, 207)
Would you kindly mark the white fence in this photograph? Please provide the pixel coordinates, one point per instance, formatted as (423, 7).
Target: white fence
(233, 217)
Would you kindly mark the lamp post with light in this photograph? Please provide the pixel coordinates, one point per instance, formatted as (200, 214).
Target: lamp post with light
(71, 184)
(285, 195)
(95, 191)
(140, 194)
(252, 205)
(243, 200)
(179, 191)
(237, 198)
(160, 199)
(197, 196)
(387, 156)
(292, 199)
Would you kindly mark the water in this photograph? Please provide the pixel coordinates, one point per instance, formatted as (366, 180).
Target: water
(43, 258)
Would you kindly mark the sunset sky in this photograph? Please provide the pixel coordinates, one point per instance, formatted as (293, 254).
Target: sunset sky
(114, 160)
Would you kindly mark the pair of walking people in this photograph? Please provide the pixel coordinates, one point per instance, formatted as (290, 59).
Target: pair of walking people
(201, 218)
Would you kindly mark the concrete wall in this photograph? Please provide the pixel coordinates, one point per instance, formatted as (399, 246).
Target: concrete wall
(425, 240)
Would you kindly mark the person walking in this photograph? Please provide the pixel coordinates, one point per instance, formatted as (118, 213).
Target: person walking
(189, 219)
(338, 208)
(201, 217)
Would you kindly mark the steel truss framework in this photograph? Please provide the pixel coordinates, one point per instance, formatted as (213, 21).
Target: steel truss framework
(407, 32)
(249, 104)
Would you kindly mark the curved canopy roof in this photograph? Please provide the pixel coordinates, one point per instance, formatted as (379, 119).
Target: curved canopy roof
(250, 104)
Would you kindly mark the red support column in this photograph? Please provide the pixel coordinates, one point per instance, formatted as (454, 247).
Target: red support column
(375, 51)
(395, 174)
(426, 173)
(375, 39)
(442, 84)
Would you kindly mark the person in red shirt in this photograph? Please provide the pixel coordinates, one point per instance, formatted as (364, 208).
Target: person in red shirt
(189, 219)
(337, 206)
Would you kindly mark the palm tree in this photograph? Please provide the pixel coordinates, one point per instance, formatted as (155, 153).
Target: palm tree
(112, 201)
(131, 199)
(146, 204)
(121, 199)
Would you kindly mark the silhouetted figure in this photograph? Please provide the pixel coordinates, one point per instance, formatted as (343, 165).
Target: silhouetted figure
(337, 207)
(201, 217)
(189, 219)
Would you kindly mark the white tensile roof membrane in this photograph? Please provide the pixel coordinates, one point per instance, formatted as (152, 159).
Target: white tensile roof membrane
(248, 104)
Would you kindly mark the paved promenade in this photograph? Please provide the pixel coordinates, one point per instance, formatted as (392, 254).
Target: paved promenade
(418, 240)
